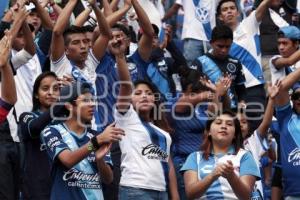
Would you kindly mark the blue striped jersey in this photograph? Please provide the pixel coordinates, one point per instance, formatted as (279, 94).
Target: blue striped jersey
(82, 181)
(107, 86)
(188, 129)
(289, 126)
(199, 18)
(246, 48)
(145, 152)
(243, 164)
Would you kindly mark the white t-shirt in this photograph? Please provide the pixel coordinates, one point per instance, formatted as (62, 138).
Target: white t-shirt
(257, 147)
(279, 74)
(24, 80)
(199, 18)
(141, 159)
(63, 66)
(246, 48)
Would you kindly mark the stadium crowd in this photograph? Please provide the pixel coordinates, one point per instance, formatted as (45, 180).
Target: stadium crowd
(149, 99)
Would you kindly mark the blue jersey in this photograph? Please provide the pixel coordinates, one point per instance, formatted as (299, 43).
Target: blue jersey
(157, 72)
(107, 87)
(189, 129)
(243, 164)
(137, 67)
(214, 69)
(289, 125)
(82, 181)
(107, 90)
(37, 166)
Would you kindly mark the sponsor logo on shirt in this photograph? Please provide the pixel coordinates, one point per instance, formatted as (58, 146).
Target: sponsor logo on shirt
(202, 14)
(76, 178)
(153, 151)
(43, 147)
(294, 157)
(53, 142)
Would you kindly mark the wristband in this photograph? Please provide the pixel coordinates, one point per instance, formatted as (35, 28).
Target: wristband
(95, 143)
(90, 147)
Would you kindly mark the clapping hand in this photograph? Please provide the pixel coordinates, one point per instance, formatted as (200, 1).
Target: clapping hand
(223, 84)
(110, 134)
(103, 150)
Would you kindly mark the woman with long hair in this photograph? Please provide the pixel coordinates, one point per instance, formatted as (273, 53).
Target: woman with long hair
(147, 169)
(222, 169)
(36, 174)
(189, 115)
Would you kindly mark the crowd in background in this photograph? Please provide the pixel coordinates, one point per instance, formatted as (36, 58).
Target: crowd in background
(150, 99)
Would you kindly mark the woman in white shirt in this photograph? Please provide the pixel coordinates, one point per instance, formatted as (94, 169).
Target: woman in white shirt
(146, 168)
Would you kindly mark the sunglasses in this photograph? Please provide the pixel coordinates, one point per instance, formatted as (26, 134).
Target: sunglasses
(295, 96)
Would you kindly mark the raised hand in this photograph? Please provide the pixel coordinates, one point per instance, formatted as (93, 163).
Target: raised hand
(128, 3)
(206, 82)
(92, 3)
(273, 90)
(65, 80)
(5, 47)
(110, 134)
(223, 84)
(168, 32)
(19, 11)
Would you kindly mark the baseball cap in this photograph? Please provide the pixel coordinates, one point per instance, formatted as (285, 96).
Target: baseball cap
(70, 92)
(290, 32)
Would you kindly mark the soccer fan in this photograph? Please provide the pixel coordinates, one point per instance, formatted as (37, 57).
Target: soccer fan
(77, 152)
(218, 62)
(246, 48)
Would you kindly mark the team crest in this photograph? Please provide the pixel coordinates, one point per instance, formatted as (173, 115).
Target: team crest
(231, 68)
(201, 12)
(131, 66)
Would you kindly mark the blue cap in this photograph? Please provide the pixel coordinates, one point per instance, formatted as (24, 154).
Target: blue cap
(290, 32)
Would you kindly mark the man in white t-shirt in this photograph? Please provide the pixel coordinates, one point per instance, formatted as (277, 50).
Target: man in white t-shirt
(246, 48)
(70, 54)
(289, 58)
(199, 20)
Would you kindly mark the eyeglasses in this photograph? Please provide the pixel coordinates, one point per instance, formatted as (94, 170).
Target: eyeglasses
(295, 96)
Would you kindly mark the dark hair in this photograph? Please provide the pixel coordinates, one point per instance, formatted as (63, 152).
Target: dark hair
(221, 32)
(89, 28)
(237, 142)
(122, 28)
(158, 117)
(35, 101)
(189, 77)
(222, 2)
(72, 30)
(243, 112)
